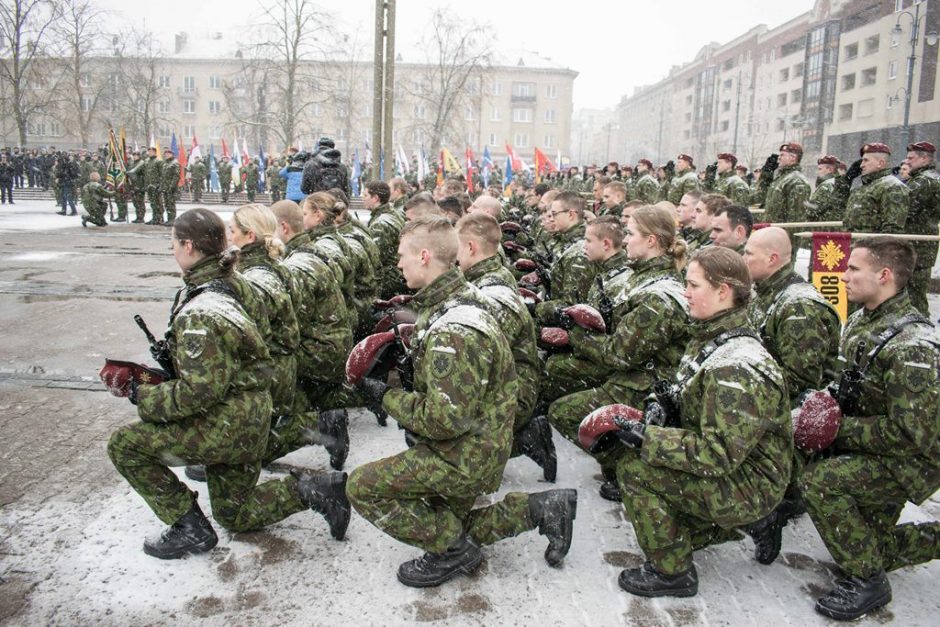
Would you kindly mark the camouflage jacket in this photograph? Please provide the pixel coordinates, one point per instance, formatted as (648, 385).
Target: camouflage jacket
(784, 200)
(509, 310)
(153, 172)
(93, 196)
(799, 328)
(897, 417)
(364, 257)
(735, 416)
(827, 202)
(273, 179)
(332, 248)
(646, 189)
(225, 173)
(694, 239)
(571, 274)
(170, 177)
(611, 283)
(682, 184)
(137, 175)
(223, 368)
(925, 201)
(733, 187)
(198, 171)
(251, 173)
(385, 224)
(880, 205)
(325, 336)
(650, 329)
(616, 210)
(465, 384)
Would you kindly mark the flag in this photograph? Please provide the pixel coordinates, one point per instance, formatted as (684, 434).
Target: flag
(213, 170)
(153, 143)
(245, 156)
(830, 260)
(368, 154)
(174, 147)
(404, 159)
(542, 164)
(558, 161)
(507, 177)
(423, 167)
(487, 166)
(450, 162)
(516, 162)
(399, 165)
(225, 152)
(263, 163)
(195, 151)
(182, 160)
(123, 145)
(469, 155)
(356, 173)
(116, 177)
(440, 167)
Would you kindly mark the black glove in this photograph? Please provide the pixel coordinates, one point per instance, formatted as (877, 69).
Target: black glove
(670, 168)
(896, 170)
(132, 396)
(564, 320)
(711, 170)
(373, 391)
(854, 171)
(631, 432)
(770, 166)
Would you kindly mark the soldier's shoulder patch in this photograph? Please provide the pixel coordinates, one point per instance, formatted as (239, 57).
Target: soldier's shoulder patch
(443, 361)
(915, 376)
(194, 342)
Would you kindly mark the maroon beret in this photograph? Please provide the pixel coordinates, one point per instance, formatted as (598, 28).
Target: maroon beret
(792, 147)
(828, 160)
(645, 162)
(922, 147)
(727, 156)
(685, 157)
(876, 147)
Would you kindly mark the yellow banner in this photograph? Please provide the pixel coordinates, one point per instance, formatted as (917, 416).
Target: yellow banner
(829, 261)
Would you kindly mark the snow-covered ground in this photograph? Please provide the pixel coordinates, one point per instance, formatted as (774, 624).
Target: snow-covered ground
(71, 529)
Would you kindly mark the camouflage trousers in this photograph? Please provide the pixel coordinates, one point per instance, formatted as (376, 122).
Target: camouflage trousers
(197, 186)
(225, 188)
(169, 203)
(156, 204)
(421, 500)
(120, 202)
(920, 279)
(283, 386)
(142, 452)
(566, 374)
(567, 412)
(675, 513)
(301, 427)
(95, 213)
(855, 504)
(140, 206)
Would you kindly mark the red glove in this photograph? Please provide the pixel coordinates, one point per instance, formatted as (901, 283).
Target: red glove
(816, 423)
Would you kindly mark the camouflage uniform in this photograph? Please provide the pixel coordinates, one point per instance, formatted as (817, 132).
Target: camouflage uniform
(364, 256)
(93, 201)
(385, 224)
(682, 184)
(170, 187)
(198, 172)
(273, 285)
(616, 210)
(332, 248)
(275, 182)
(785, 197)
(153, 177)
(694, 239)
(216, 413)
(571, 274)
(880, 205)
(461, 413)
(728, 462)
(886, 455)
(251, 175)
(647, 189)
(325, 341)
(225, 179)
(567, 373)
(827, 202)
(733, 187)
(922, 220)
(648, 332)
(498, 284)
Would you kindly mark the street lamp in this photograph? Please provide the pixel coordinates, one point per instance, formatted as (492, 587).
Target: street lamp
(931, 39)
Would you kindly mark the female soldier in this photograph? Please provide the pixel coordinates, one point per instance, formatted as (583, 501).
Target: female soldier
(216, 412)
(727, 463)
(365, 259)
(320, 212)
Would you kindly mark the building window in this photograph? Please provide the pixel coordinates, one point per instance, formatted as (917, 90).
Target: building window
(55, 129)
(189, 84)
(549, 116)
(468, 113)
(812, 90)
(163, 131)
(215, 106)
(724, 125)
(419, 112)
(497, 88)
(523, 90)
(892, 70)
(495, 114)
(215, 82)
(798, 70)
(215, 132)
(317, 110)
(688, 117)
(785, 74)
(493, 138)
(549, 141)
(848, 82)
(163, 107)
(845, 112)
(164, 81)
(522, 140)
(781, 100)
(189, 106)
(86, 104)
(869, 76)
(866, 108)
(727, 84)
(726, 105)
(688, 99)
(189, 131)
(796, 95)
(872, 43)
(781, 124)
(851, 51)
(521, 115)
(551, 91)
(85, 80)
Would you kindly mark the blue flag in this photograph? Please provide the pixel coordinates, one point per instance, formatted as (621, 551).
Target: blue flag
(356, 173)
(262, 165)
(487, 166)
(213, 171)
(174, 147)
(507, 179)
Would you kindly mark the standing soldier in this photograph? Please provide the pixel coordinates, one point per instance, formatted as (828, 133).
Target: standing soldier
(250, 174)
(647, 187)
(153, 175)
(783, 195)
(827, 202)
(273, 179)
(882, 202)
(685, 179)
(137, 180)
(886, 450)
(225, 178)
(93, 200)
(460, 412)
(385, 224)
(198, 172)
(170, 185)
(923, 217)
(728, 183)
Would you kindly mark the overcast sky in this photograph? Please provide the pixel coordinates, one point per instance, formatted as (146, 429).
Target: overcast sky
(615, 46)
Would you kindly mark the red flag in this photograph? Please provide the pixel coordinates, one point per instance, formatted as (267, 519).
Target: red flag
(182, 161)
(469, 170)
(225, 152)
(516, 162)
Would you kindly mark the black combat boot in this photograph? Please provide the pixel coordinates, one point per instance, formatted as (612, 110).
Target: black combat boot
(381, 416)
(196, 472)
(326, 494)
(646, 581)
(433, 569)
(534, 440)
(610, 489)
(192, 533)
(333, 425)
(60, 213)
(554, 512)
(855, 596)
(137, 221)
(767, 534)
(84, 220)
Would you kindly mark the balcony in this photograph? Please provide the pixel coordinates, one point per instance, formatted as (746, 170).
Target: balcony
(187, 92)
(517, 99)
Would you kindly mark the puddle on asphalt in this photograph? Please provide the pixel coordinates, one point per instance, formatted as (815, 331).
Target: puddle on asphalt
(40, 255)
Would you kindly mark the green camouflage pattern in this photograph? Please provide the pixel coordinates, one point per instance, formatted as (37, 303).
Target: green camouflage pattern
(733, 187)
(94, 201)
(827, 203)
(461, 412)
(225, 179)
(571, 273)
(250, 174)
(922, 220)
(136, 178)
(682, 184)
(799, 328)
(153, 176)
(647, 189)
(784, 199)
(886, 455)
(333, 249)
(198, 173)
(364, 257)
(170, 187)
(879, 205)
(385, 225)
(729, 461)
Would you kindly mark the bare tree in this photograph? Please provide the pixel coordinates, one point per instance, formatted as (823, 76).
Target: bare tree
(456, 50)
(25, 69)
(348, 94)
(139, 72)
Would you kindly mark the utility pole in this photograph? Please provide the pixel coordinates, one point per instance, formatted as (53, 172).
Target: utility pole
(737, 116)
(383, 95)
